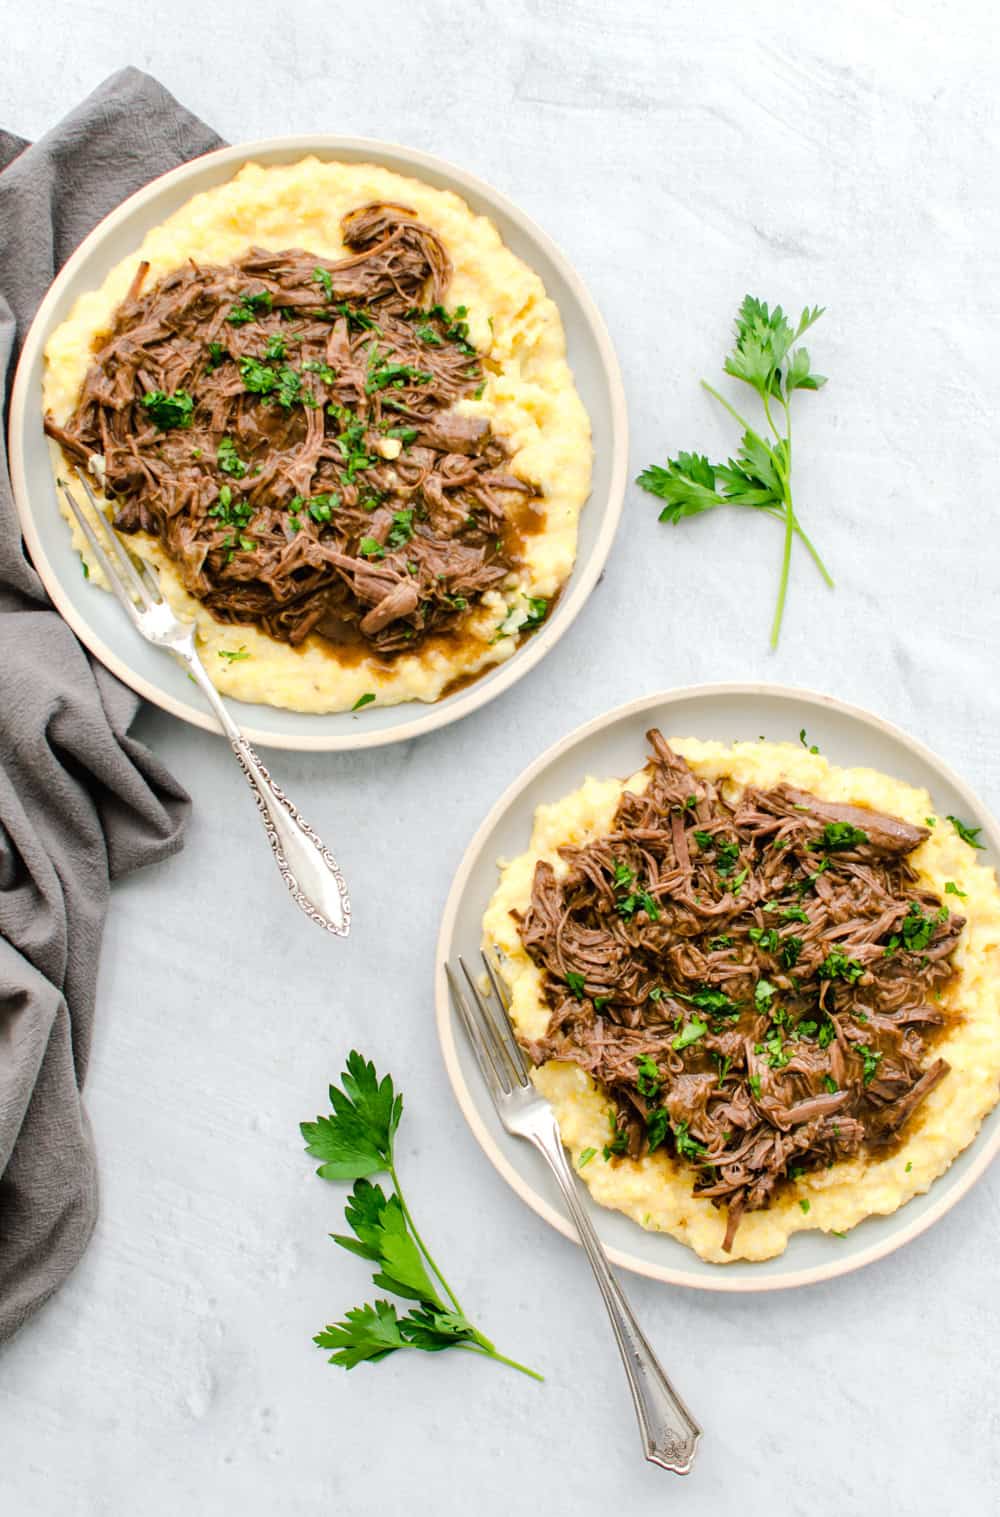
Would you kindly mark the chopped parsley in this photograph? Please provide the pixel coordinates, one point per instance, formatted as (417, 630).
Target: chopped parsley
(363, 700)
(754, 1083)
(576, 983)
(249, 307)
(763, 995)
(586, 1154)
(837, 966)
(229, 510)
(766, 938)
(791, 948)
(402, 528)
(383, 375)
(830, 1085)
(648, 1079)
(370, 547)
(687, 1147)
(229, 460)
(538, 608)
(870, 1059)
(968, 835)
(827, 1033)
(840, 835)
(689, 1033)
(805, 1203)
(657, 1126)
(322, 507)
(217, 354)
(805, 741)
(233, 656)
(918, 928)
(323, 278)
(952, 889)
(169, 411)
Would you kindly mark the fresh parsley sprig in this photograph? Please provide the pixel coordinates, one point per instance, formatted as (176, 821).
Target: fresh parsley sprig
(759, 477)
(356, 1142)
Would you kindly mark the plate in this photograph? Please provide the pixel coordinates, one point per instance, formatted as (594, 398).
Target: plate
(96, 618)
(615, 744)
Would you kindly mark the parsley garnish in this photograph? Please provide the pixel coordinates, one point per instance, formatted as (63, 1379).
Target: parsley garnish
(229, 460)
(830, 1085)
(233, 656)
(766, 938)
(229, 510)
(839, 835)
(760, 476)
(391, 376)
(805, 741)
(586, 1154)
(169, 411)
(870, 1059)
(370, 547)
(647, 1080)
(837, 966)
(763, 995)
(689, 1033)
(967, 834)
(355, 1143)
(918, 928)
(576, 983)
(687, 1147)
(754, 1083)
(538, 609)
(323, 279)
(952, 889)
(363, 700)
(402, 528)
(805, 1203)
(217, 354)
(249, 306)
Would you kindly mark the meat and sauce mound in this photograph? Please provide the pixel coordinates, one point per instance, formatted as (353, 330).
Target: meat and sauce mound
(285, 427)
(743, 997)
(755, 982)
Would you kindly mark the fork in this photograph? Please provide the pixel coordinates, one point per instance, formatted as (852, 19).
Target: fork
(669, 1433)
(304, 862)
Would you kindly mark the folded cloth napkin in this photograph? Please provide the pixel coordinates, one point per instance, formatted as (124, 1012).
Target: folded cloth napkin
(81, 802)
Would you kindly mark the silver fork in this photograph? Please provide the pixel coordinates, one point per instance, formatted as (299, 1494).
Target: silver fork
(304, 862)
(669, 1433)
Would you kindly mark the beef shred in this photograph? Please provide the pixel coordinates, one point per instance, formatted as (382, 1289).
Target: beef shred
(754, 977)
(247, 416)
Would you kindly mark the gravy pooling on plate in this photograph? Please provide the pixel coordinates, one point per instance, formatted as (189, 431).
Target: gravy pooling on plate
(749, 1003)
(334, 410)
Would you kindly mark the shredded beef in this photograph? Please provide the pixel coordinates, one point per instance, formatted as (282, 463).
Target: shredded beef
(754, 980)
(285, 426)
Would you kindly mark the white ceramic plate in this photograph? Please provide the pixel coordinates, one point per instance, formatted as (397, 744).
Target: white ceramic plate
(615, 745)
(94, 615)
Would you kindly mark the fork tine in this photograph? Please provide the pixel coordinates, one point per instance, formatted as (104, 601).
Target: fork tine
(121, 553)
(491, 1029)
(510, 1037)
(113, 577)
(480, 1045)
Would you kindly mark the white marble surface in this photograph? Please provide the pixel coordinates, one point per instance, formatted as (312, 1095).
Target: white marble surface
(844, 154)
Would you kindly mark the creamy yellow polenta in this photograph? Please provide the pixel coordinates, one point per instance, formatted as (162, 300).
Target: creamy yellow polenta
(530, 400)
(654, 1190)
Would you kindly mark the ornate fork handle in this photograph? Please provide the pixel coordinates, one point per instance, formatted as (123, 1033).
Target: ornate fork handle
(304, 862)
(669, 1433)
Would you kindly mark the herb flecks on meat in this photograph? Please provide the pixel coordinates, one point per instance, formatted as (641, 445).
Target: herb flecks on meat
(766, 1008)
(286, 427)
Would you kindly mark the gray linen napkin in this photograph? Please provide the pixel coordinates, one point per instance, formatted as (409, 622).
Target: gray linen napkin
(81, 802)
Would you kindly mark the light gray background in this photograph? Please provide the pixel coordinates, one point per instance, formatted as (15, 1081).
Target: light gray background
(844, 154)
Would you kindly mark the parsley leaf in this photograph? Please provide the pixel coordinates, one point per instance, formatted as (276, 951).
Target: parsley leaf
(837, 966)
(169, 411)
(363, 700)
(357, 1142)
(576, 983)
(837, 836)
(968, 835)
(249, 306)
(689, 1033)
(323, 279)
(759, 478)
(229, 460)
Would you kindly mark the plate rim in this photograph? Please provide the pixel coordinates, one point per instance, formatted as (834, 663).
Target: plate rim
(544, 1208)
(492, 683)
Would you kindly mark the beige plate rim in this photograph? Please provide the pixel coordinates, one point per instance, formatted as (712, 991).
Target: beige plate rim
(718, 1281)
(585, 574)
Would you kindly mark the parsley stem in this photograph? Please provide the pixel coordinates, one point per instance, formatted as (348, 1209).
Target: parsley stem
(501, 1359)
(733, 413)
(786, 557)
(420, 1242)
